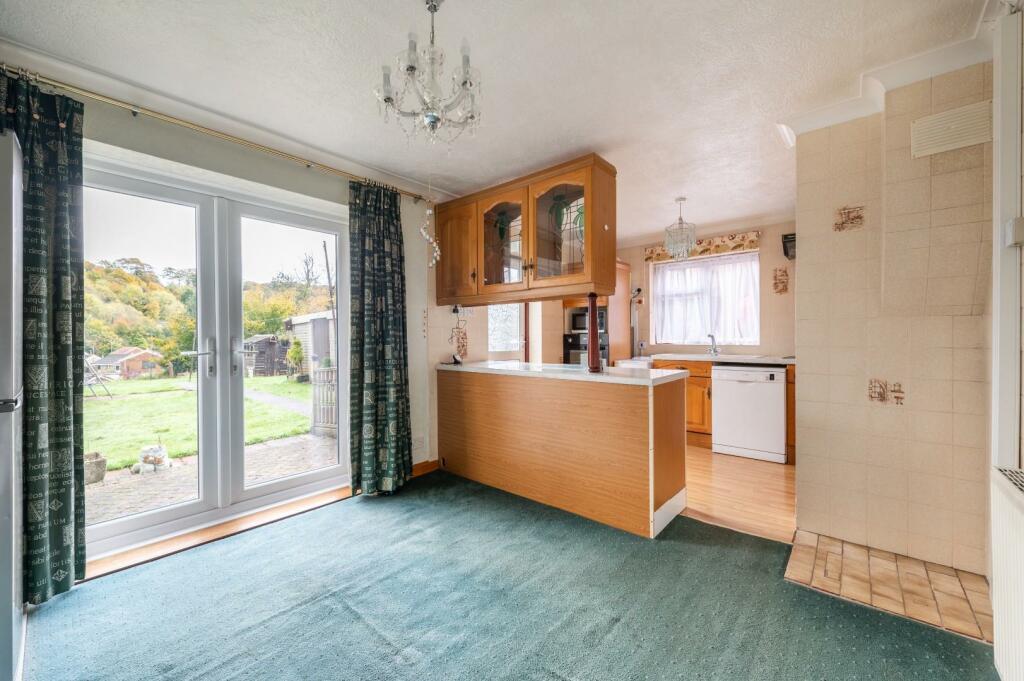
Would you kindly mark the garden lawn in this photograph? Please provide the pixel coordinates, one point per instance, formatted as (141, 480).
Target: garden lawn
(118, 428)
(142, 385)
(281, 386)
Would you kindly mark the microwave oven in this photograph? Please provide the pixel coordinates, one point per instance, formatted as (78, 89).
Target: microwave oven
(578, 320)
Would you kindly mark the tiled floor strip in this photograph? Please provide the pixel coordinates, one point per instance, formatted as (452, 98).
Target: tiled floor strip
(927, 592)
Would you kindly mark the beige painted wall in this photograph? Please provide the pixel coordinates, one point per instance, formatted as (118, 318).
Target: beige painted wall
(777, 310)
(904, 299)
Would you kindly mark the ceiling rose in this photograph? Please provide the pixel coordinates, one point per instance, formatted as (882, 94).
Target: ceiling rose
(419, 103)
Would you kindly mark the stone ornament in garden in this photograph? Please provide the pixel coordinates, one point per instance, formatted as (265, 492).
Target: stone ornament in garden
(152, 459)
(95, 467)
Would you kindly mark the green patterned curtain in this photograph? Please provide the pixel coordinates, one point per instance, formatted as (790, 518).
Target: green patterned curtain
(49, 128)
(380, 434)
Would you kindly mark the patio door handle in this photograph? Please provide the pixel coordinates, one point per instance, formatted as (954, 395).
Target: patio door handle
(210, 354)
(238, 350)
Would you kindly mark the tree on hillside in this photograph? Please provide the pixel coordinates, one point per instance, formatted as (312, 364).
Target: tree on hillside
(266, 313)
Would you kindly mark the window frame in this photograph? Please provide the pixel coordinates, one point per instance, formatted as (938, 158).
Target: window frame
(657, 334)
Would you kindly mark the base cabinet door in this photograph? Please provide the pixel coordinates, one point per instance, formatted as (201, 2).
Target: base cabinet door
(698, 404)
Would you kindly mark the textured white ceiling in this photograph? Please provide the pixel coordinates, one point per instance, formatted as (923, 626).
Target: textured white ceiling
(680, 95)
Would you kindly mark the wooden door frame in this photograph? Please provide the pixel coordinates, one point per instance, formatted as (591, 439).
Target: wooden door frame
(522, 195)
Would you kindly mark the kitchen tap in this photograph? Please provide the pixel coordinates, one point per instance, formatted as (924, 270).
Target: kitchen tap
(713, 350)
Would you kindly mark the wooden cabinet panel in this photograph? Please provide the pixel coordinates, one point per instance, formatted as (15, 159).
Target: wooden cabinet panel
(569, 303)
(456, 230)
(566, 245)
(698, 404)
(696, 368)
(620, 342)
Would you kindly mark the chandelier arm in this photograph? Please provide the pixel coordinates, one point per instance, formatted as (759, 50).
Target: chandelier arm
(456, 101)
(458, 122)
(405, 114)
(417, 89)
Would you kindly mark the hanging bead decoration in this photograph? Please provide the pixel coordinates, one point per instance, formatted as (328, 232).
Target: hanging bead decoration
(435, 255)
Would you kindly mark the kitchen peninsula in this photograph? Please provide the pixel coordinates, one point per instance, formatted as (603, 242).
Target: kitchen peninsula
(608, 446)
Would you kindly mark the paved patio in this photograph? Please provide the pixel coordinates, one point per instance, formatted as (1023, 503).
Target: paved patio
(121, 493)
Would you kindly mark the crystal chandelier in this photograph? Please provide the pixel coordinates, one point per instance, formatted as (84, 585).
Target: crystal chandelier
(680, 236)
(419, 103)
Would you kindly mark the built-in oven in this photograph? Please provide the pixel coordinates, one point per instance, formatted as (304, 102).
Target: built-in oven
(575, 345)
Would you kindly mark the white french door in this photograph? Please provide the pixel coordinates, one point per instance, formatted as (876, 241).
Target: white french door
(270, 249)
(217, 371)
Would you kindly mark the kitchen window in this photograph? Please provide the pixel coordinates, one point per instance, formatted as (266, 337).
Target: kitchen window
(717, 295)
(503, 328)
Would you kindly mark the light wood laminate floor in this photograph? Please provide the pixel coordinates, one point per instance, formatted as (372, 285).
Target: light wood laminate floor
(935, 594)
(748, 495)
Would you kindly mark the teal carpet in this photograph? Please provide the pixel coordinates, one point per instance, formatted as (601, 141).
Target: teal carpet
(452, 580)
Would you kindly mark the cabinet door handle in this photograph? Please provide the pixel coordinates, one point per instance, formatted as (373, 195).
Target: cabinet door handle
(472, 275)
(709, 392)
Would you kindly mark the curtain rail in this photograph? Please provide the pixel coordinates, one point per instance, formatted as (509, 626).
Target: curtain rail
(180, 122)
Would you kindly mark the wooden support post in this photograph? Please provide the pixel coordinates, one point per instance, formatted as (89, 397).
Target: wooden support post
(593, 336)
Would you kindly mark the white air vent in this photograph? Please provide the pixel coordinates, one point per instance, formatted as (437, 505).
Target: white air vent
(953, 129)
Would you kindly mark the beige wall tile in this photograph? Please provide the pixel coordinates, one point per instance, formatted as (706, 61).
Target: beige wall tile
(812, 168)
(970, 430)
(969, 529)
(897, 131)
(915, 98)
(960, 188)
(931, 549)
(813, 142)
(909, 196)
(928, 457)
(957, 260)
(885, 481)
(927, 488)
(958, 215)
(903, 299)
(970, 496)
(931, 521)
(958, 159)
(931, 332)
(933, 363)
(931, 427)
(970, 364)
(956, 85)
(970, 463)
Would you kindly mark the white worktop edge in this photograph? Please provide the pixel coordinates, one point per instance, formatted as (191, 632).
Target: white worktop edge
(770, 360)
(646, 377)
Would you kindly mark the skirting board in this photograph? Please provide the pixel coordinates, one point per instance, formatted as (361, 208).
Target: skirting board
(774, 457)
(669, 510)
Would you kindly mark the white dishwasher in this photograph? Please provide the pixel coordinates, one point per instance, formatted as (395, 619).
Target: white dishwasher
(748, 411)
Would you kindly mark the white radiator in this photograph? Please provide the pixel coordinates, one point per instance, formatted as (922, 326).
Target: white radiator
(1008, 571)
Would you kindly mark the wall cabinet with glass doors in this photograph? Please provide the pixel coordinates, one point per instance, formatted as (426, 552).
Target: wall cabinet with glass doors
(548, 235)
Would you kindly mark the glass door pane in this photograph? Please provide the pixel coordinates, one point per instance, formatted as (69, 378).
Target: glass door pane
(560, 230)
(142, 389)
(288, 357)
(502, 242)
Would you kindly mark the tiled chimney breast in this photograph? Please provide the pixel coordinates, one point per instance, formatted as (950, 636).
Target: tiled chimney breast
(904, 296)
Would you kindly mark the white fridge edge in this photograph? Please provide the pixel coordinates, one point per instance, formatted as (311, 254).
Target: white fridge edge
(12, 623)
